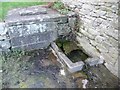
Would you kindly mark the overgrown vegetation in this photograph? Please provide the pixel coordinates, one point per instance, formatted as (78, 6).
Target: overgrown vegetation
(59, 6)
(14, 54)
(6, 6)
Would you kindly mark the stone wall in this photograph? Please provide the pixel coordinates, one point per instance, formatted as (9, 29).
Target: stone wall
(98, 29)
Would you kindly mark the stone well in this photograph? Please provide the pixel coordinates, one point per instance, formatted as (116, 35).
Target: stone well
(34, 27)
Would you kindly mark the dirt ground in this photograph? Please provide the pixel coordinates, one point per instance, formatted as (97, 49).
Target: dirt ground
(40, 69)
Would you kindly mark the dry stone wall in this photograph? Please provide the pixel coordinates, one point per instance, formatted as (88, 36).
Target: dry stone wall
(98, 29)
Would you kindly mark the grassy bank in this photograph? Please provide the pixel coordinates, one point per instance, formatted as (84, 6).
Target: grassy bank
(6, 6)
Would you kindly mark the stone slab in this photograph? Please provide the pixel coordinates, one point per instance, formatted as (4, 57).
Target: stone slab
(51, 16)
(33, 11)
(94, 61)
(24, 30)
(29, 47)
(46, 37)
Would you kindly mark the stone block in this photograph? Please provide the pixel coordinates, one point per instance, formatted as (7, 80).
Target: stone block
(46, 37)
(112, 69)
(2, 28)
(99, 39)
(72, 23)
(113, 52)
(100, 12)
(112, 41)
(82, 39)
(108, 58)
(34, 28)
(80, 34)
(87, 34)
(93, 42)
(107, 45)
(63, 29)
(102, 48)
(92, 51)
(93, 32)
(94, 61)
(93, 14)
(32, 11)
(88, 6)
(5, 44)
(113, 33)
(35, 46)
(71, 14)
(17, 31)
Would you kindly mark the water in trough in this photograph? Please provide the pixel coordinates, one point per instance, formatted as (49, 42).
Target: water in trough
(72, 51)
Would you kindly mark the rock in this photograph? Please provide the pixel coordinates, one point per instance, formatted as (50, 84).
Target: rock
(63, 29)
(94, 61)
(72, 22)
(5, 44)
(2, 29)
(3, 37)
(71, 14)
(62, 72)
(84, 82)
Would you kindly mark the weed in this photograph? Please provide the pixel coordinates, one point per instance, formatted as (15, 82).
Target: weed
(14, 53)
(59, 6)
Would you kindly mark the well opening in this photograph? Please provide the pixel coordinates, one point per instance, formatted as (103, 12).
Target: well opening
(71, 49)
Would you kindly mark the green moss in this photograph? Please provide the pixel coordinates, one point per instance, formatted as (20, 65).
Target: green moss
(71, 49)
(118, 12)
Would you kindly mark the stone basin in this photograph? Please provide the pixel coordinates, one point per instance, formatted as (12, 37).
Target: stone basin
(73, 56)
(72, 67)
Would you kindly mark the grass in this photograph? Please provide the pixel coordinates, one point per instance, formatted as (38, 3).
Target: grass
(59, 6)
(6, 6)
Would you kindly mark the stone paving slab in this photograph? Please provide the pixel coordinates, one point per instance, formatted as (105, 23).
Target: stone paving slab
(34, 38)
(14, 17)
